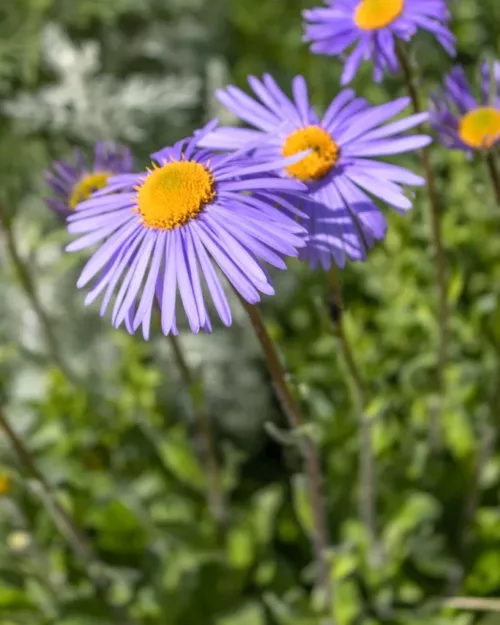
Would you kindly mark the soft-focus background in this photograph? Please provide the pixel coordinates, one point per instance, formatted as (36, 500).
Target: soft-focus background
(120, 448)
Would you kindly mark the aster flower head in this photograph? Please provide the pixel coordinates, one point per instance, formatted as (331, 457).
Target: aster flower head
(462, 120)
(71, 183)
(368, 29)
(340, 173)
(163, 230)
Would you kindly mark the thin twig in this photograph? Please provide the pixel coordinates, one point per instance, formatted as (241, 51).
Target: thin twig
(435, 221)
(309, 451)
(473, 603)
(485, 444)
(28, 284)
(215, 495)
(66, 525)
(367, 496)
(494, 174)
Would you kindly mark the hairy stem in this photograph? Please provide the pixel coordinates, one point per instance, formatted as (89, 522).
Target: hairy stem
(367, 493)
(66, 525)
(309, 451)
(215, 495)
(435, 222)
(28, 284)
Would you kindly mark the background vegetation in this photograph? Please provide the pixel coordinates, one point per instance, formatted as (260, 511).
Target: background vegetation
(116, 439)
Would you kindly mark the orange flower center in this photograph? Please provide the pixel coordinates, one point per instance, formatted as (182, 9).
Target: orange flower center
(325, 153)
(375, 14)
(84, 188)
(173, 194)
(480, 128)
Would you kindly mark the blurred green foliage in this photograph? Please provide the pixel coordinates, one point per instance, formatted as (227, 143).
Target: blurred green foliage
(121, 448)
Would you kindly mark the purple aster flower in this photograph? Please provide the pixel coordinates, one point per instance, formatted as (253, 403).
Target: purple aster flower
(370, 27)
(162, 230)
(463, 121)
(74, 182)
(341, 176)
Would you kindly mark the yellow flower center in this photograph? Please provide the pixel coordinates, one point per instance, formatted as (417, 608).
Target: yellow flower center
(374, 14)
(324, 155)
(84, 188)
(4, 484)
(175, 193)
(480, 128)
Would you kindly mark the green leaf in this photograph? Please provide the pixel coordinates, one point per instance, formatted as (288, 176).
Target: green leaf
(241, 547)
(118, 528)
(301, 503)
(14, 599)
(344, 564)
(250, 614)
(10, 576)
(178, 455)
(86, 608)
(264, 511)
(455, 287)
(458, 432)
(485, 575)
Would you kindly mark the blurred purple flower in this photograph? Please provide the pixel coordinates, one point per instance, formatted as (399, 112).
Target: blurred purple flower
(461, 120)
(370, 27)
(161, 230)
(341, 177)
(74, 182)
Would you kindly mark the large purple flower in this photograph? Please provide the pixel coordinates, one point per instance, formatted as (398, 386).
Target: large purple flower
(341, 177)
(463, 121)
(370, 27)
(161, 230)
(74, 182)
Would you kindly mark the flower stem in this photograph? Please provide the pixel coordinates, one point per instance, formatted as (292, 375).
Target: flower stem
(309, 451)
(485, 445)
(479, 604)
(367, 493)
(494, 173)
(435, 221)
(28, 284)
(215, 496)
(66, 525)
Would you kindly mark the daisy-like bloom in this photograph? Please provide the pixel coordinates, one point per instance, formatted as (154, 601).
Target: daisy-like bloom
(341, 176)
(160, 231)
(463, 121)
(75, 182)
(369, 28)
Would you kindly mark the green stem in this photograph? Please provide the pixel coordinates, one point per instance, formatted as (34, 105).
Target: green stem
(28, 284)
(367, 493)
(215, 495)
(435, 222)
(494, 174)
(310, 453)
(484, 445)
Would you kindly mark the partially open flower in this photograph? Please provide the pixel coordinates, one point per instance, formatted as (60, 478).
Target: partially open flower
(463, 121)
(75, 182)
